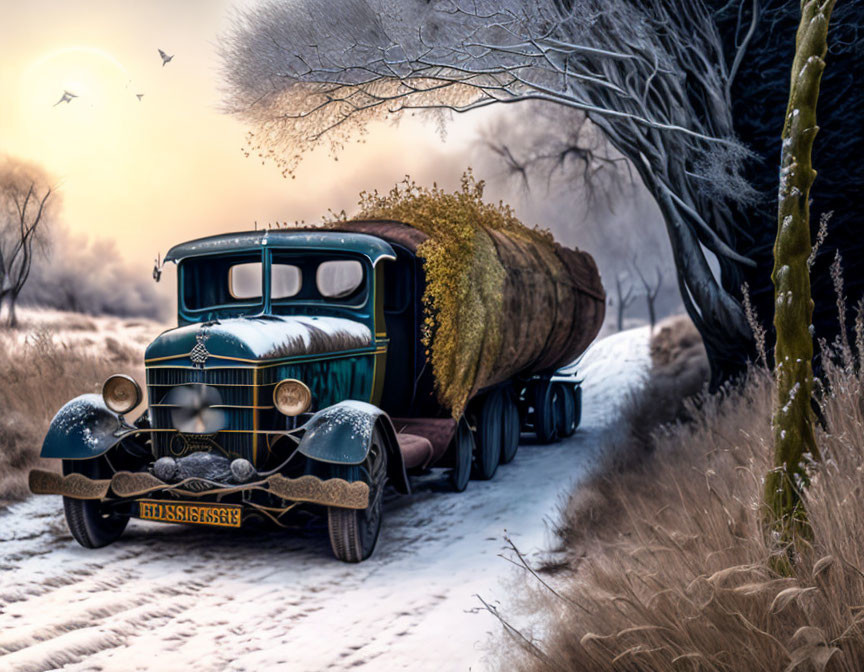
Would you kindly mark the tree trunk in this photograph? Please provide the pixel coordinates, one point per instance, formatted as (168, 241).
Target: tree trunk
(717, 313)
(11, 315)
(794, 440)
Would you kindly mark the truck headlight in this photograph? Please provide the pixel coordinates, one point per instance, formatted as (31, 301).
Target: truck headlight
(121, 393)
(291, 397)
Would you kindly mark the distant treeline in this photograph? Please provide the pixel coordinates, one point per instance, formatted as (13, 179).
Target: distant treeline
(92, 276)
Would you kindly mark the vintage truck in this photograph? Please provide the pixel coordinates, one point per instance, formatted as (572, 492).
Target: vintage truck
(297, 377)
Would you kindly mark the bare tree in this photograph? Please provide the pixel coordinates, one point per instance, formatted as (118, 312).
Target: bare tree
(651, 291)
(624, 298)
(25, 199)
(656, 76)
(653, 76)
(561, 149)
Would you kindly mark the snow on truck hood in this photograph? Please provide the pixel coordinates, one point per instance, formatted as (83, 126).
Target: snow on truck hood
(266, 337)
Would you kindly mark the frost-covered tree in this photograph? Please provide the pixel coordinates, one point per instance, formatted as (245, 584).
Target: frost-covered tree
(25, 212)
(658, 77)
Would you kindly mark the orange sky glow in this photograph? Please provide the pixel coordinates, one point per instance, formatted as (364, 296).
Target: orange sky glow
(167, 168)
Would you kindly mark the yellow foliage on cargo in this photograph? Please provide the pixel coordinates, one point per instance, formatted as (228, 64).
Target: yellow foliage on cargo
(464, 277)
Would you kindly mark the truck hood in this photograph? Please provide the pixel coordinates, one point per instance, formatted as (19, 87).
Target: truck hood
(263, 337)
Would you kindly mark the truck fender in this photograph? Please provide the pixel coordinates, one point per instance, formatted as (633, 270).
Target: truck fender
(83, 429)
(342, 434)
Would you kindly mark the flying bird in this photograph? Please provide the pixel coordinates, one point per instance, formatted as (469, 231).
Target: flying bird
(139, 96)
(165, 58)
(65, 98)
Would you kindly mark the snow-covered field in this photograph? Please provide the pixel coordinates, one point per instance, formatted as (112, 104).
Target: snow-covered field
(176, 598)
(82, 333)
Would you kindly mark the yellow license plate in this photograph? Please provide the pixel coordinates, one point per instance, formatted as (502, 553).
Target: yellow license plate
(220, 515)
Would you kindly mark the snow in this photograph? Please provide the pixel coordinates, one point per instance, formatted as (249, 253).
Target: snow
(86, 334)
(263, 337)
(357, 417)
(169, 597)
(611, 368)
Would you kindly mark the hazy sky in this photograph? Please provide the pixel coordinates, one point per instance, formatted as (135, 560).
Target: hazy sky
(168, 168)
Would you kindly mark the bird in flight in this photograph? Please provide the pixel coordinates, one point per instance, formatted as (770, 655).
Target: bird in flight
(65, 98)
(165, 58)
(139, 96)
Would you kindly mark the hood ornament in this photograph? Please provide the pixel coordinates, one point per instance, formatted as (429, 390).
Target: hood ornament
(199, 353)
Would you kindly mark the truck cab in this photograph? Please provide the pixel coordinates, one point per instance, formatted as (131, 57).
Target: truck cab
(258, 309)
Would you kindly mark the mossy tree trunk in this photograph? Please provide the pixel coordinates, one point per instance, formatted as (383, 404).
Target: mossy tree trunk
(794, 441)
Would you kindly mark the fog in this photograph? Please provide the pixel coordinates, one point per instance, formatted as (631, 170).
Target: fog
(616, 221)
(91, 276)
(588, 198)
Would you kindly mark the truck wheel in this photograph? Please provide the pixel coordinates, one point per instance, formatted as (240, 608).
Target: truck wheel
(566, 408)
(354, 533)
(512, 428)
(463, 454)
(490, 425)
(90, 525)
(544, 400)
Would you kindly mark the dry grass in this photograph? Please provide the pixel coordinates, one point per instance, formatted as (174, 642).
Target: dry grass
(40, 370)
(668, 568)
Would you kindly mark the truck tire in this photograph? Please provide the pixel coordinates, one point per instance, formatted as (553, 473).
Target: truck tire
(512, 428)
(88, 522)
(544, 400)
(490, 426)
(566, 408)
(354, 533)
(463, 454)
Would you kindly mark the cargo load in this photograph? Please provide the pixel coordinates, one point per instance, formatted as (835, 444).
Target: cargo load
(499, 299)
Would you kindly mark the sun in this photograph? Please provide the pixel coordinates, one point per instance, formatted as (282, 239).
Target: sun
(89, 72)
(92, 121)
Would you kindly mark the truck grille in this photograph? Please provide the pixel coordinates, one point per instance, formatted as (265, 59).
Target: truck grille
(236, 387)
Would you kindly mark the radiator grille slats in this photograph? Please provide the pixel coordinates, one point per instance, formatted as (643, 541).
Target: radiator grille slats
(236, 387)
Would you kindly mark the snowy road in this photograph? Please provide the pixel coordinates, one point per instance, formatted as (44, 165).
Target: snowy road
(176, 598)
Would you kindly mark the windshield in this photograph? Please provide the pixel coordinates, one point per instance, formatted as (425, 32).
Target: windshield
(234, 281)
(234, 284)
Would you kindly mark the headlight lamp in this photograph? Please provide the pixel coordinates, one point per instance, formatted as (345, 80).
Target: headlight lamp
(291, 397)
(121, 393)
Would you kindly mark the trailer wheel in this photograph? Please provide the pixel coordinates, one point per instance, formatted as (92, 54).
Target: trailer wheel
(512, 428)
(490, 426)
(88, 522)
(354, 533)
(544, 399)
(463, 453)
(566, 408)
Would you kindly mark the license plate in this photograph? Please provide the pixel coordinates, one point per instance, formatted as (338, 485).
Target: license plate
(220, 515)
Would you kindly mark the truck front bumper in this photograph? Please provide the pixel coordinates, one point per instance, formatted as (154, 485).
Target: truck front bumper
(131, 485)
